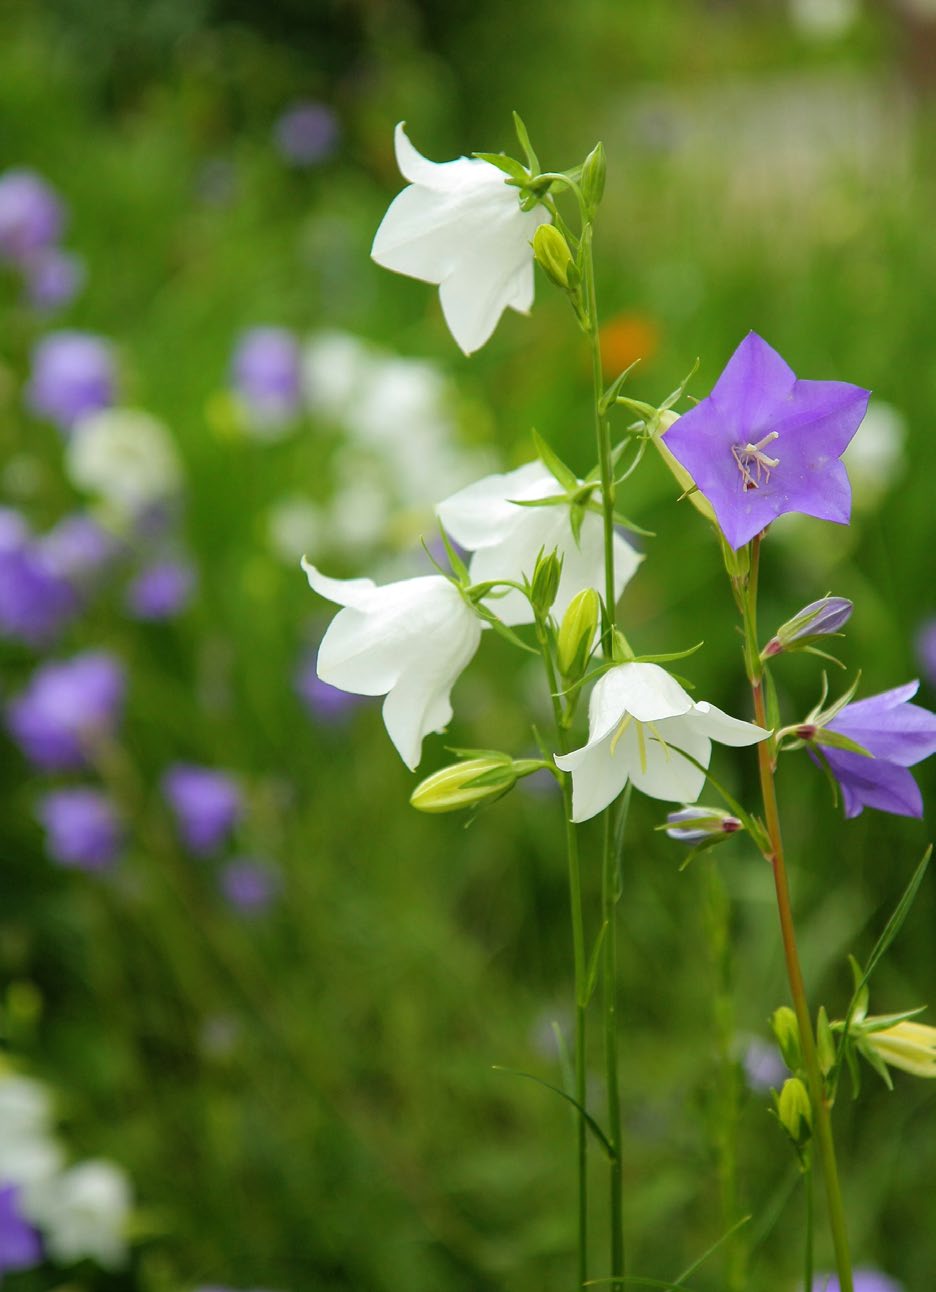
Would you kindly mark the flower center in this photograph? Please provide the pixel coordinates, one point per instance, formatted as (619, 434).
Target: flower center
(641, 738)
(753, 463)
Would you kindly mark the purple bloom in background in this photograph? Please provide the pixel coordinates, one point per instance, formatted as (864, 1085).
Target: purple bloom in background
(306, 133)
(764, 443)
(763, 1066)
(207, 805)
(31, 214)
(325, 703)
(82, 828)
(35, 600)
(65, 707)
(898, 735)
(266, 373)
(80, 549)
(72, 375)
(53, 278)
(249, 885)
(161, 591)
(866, 1280)
(926, 650)
(20, 1248)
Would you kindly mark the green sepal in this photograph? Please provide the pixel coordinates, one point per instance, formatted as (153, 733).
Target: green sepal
(554, 464)
(676, 395)
(631, 525)
(835, 740)
(458, 565)
(881, 1022)
(877, 1063)
(477, 753)
(507, 164)
(612, 392)
(668, 656)
(524, 138)
(576, 520)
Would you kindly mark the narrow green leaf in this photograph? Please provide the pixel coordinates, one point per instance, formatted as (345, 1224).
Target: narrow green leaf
(612, 392)
(554, 464)
(565, 1062)
(591, 978)
(589, 1120)
(687, 1273)
(670, 655)
(632, 525)
(901, 911)
(525, 144)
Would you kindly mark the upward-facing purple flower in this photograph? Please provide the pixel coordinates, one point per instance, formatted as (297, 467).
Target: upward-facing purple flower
(82, 828)
(31, 214)
(764, 443)
(72, 376)
(898, 735)
(266, 374)
(20, 1248)
(207, 805)
(67, 705)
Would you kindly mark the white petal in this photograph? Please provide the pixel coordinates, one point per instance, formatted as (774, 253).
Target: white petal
(583, 562)
(420, 236)
(343, 592)
(482, 514)
(462, 174)
(488, 277)
(598, 776)
(712, 722)
(356, 656)
(657, 768)
(644, 690)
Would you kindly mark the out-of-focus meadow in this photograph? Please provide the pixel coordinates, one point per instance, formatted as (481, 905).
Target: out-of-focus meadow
(277, 1009)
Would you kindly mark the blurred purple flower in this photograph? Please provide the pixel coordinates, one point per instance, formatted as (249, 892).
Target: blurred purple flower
(763, 1066)
(866, 1280)
(306, 133)
(161, 591)
(20, 1248)
(207, 805)
(31, 214)
(73, 374)
(249, 885)
(325, 703)
(898, 735)
(266, 373)
(65, 707)
(764, 443)
(53, 278)
(926, 649)
(80, 549)
(82, 828)
(35, 600)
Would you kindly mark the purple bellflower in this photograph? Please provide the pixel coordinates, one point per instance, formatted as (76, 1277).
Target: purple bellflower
(206, 803)
(82, 828)
(764, 443)
(865, 1280)
(80, 549)
(249, 885)
(53, 279)
(31, 215)
(35, 598)
(898, 735)
(72, 376)
(20, 1248)
(67, 705)
(161, 591)
(306, 134)
(266, 372)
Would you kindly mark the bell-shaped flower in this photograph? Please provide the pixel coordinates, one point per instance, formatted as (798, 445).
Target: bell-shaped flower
(764, 443)
(488, 519)
(460, 224)
(408, 641)
(639, 721)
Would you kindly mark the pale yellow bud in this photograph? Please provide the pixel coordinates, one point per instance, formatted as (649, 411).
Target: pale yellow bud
(684, 479)
(795, 1111)
(909, 1046)
(577, 633)
(552, 253)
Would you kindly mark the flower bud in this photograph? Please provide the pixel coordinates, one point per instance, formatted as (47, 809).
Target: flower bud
(697, 824)
(552, 253)
(471, 782)
(786, 1030)
(594, 169)
(907, 1045)
(795, 1111)
(702, 505)
(545, 583)
(825, 1042)
(818, 619)
(577, 633)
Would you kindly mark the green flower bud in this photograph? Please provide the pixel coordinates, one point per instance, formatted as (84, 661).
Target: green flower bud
(471, 782)
(577, 633)
(702, 505)
(593, 176)
(551, 251)
(825, 1042)
(795, 1111)
(545, 583)
(786, 1030)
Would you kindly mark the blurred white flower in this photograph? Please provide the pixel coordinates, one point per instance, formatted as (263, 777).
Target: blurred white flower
(408, 640)
(506, 539)
(824, 19)
(294, 525)
(335, 366)
(459, 224)
(875, 457)
(639, 718)
(84, 1213)
(29, 1154)
(125, 457)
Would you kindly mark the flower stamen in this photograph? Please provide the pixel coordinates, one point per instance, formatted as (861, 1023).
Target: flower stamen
(753, 463)
(624, 724)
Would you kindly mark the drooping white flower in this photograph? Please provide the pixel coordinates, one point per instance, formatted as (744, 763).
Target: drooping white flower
(408, 640)
(459, 224)
(84, 1214)
(29, 1153)
(639, 718)
(506, 539)
(125, 457)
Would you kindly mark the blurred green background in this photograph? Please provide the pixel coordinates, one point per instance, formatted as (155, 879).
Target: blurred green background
(305, 1099)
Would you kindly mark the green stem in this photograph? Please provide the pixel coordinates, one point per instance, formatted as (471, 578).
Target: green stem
(609, 953)
(823, 1125)
(579, 961)
(602, 431)
(808, 1263)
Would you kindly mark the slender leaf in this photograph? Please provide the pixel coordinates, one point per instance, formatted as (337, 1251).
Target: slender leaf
(554, 464)
(589, 1120)
(591, 977)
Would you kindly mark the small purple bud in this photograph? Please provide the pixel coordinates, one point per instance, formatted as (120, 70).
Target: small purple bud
(82, 828)
(53, 279)
(306, 133)
(206, 803)
(72, 376)
(692, 825)
(66, 707)
(161, 591)
(266, 373)
(249, 885)
(31, 215)
(818, 619)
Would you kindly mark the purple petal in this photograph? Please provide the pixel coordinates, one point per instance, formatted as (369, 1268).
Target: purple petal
(889, 727)
(872, 782)
(755, 381)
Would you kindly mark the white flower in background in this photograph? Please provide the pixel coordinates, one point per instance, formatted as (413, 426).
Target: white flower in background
(125, 457)
(295, 525)
(408, 640)
(506, 539)
(84, 1214)
(824, 19)
(459, 224)
(875, 456)
(639, 718)
(335, 367)
(29, 1155)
